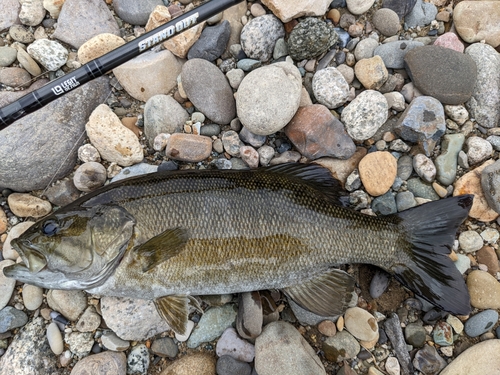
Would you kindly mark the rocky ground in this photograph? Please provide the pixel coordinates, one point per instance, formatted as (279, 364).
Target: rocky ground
(399, 99)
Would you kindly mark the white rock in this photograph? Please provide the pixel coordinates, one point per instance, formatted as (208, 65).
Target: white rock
(49, 53)
(358, 7)
(266, 153)
(457, 113)
(32, 297)
(395, 100)
(286, 10)
(160, 141)
(7, 285)
(490, 235)
(54, 337)
(361, 324)
(53, 7)
(113, 342)
(115, 142)
(424, 167)
(479, 149)
(8, 251)
(32, 12)
(330, 88)
(87, 153)
(392, 366)
(470, 241)
(189, 329)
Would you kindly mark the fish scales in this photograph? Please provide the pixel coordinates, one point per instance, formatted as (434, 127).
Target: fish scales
(246, 232)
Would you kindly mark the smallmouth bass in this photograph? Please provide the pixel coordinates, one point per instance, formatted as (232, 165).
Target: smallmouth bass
(171, 235)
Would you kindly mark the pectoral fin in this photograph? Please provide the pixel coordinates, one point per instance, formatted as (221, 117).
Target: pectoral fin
(161, 248)
(328, 294)
(175, 310)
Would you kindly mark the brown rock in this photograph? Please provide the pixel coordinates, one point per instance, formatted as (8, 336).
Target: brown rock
(26, 205)
(327, 328)
(287, 10)
(470, 183)
(478, 20)
(487, 255)
(3, 222)
(98, 46)
(484, 290)
(15, 77)
(188, 147)
(180, 44)
(249, 156)
(371, 72)
(317, 133)
(158, 17)
(200, 364)
(130, 123)
(341, 169)
(105, 363)
(377, 171)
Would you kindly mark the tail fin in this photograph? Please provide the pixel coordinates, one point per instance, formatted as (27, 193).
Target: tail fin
(426, 268)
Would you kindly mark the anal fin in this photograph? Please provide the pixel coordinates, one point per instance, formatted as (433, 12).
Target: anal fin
(328, 294)
(161, 248)
(174, 310)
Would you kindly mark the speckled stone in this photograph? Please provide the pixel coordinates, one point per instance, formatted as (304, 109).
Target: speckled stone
(311, 38)
(330, 87)
(259, 36)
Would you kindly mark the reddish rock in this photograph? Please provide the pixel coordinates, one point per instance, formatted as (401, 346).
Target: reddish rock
(377, 171)
(188, 147)
(487, 256)
(317, 133)
(451, 41)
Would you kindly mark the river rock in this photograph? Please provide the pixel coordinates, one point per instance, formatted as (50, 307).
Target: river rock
(135, 12)
(212, 42)
(188, 147)
(121, 315)
(490, 180)
(484, 290)
(478, 20)
(445, 74)
(234, 346)
(32, 296)
(393, 53)
(402, 8)
(422, 14)
(259, 36)
(446, 162)
(428, 361)
(65, 117)
(361, 324)
(14, 77)
(27, 205)
(30, 343)
(89, 176)
(70, 303)
(311, 38)
(478, 150)
(286, 10)
(105, 363)
(340, 347)
(450, 40)
(424, 167)
(98, 46)
(15, 232)
(485, 100)
(149, 74)
(10, 13)
(268, 98)
(470, 183)
(250, 316)
(341, 169)
(364, 115)
(281, 337)
(358, 7)
(7, 56)
(371, 72)
(386, 21)
(195, 363)
(212, 324)
(330, 87)
(163, 114)
(79, 22)
(317, 133)
(481, 323)
(113, 140)
(364, 49)
(208, 89)
(7, 284)
(377, 171)
(32, 12)
(51, 54)
(422, 121)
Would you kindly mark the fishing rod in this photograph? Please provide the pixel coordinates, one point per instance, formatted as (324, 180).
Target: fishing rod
(98, 67)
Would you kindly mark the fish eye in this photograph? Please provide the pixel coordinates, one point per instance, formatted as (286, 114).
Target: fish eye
(50, 227)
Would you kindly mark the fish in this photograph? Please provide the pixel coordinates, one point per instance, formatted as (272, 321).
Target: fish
(169, 236)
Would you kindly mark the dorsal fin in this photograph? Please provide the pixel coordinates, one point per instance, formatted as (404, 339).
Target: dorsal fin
(315, 176)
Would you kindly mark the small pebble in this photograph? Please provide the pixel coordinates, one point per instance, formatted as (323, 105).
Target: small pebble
(32, 297)
(54, 337)
(112, 342)
(470, 241)
(138, 360)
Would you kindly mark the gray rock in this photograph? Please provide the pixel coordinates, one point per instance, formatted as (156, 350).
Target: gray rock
(121, 315)
(478, 150)
(273, 348)
(268, 97)
(470, 241)
(386, 21)
(310, 38)
(248, 65)
(7, 56)
(21, 34)
(90, 176)
(393, 53)
(405, 200)
(10, 13)
(212, 42)
(395, 335)
(135, 170)
(428, 360)
(421, 189)
(135, 12)
(30, 343)
(364, 115)
(415, 334)
(365, 49)
(306, 317)
(51, 54)
(32, 297)
(14, 77)
(401, 7)
(259, 36)
(79, 22)
(165, 347)
(483, 106)
(227, 365)
(163, 114)
(138, 360)
(495, 141)
(105, 363)
(22, 142)
(385, 204)
(422, 14)
(443, 73)
(255, 140)
(210, 130)
(208, 89)
(341, 346)
(249, 320)
(423, 122)
(481, 323)
(490, 181)
(405, 167)
(7, 284)
(89, 321)
(330, 87)
(212, 324)
(80, 343)
(62, 193)
(379, 283)
(446, 162)
(70, 303)
(11, 318)
(280, 49)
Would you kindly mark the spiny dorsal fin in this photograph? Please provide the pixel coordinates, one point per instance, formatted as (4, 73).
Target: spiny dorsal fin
(161, 248)
(328, 294)
(315, 176)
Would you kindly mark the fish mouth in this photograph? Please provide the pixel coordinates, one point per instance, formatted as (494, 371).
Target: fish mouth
(32, 258)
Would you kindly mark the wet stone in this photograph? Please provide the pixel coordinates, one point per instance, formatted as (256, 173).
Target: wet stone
(481, 323)
(311, 38)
